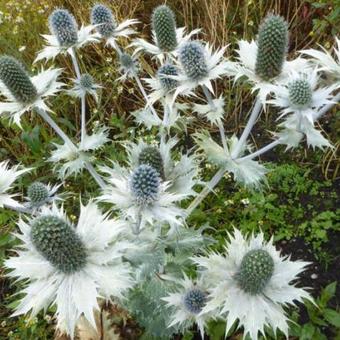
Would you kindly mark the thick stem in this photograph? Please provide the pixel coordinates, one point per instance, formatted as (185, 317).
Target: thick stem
(75, 63)
(203, 194)
(213, 108)
(95, 175)
(261, 151)
(56, 128)
(252, 119)
(83, 120)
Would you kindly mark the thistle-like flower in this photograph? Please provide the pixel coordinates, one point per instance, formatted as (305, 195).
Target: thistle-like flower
(251, 283)
(247, 172)
(70, 266)
(65, 36)
(74, 160)
(199, 66)
(25, 93)
(264, 61)
(300, 97)
(8, 175)
(107, 27)
(167, 39)
(181, 175)
(40, 194)
(128, 66)
(325, 61)
(140, 195)
(187, 305)
(83, 86)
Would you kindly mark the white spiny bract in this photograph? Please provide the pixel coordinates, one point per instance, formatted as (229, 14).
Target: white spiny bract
(25, 93)
(251, 282)
(139, 260)
(8, 175)
(69, 266)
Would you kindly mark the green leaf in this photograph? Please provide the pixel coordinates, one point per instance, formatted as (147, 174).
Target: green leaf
(332, 316)
(327, 293)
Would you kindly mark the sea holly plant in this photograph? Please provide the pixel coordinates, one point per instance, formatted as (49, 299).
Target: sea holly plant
(132, 244)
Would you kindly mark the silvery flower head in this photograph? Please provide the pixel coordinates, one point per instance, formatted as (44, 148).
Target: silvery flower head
(164, 25)
(264, 61)
(107, 27)
(301, 99)
(8, 175)
(24, 93)
(182, 175)
(65, 36)
(64, 27)
(166, 38)
(140, 195)
(198, 66)
(251, 282)
(102, 17)
(69, 266)
(128, 66)
(187, 304)
(272, 47)
(40, 194)
(85, 85)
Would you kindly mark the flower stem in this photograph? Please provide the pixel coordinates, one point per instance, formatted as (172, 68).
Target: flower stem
(261, 151)
(68, 141)
(82, 99)
(83, 120)
(213, 108)
(252, 119)
(208, 187)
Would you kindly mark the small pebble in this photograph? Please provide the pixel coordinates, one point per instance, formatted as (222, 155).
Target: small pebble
(314, 276)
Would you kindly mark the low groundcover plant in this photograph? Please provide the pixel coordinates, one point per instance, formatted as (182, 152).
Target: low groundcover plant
(131, 244)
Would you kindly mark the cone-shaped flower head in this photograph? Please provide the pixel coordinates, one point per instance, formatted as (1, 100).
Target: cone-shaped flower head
(164, 26)
(86, 81)
(300, 93)
(38, 193)
(64, 27)
(257, 267)
(145, 184)
(15, 78)
(192, 59)
(151, 155)
(55, 239)
(272, 46)
(167, 83)
(103, 17)
(126, 61)
(195, 300)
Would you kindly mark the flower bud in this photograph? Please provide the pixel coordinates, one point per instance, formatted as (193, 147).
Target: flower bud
(103, 17)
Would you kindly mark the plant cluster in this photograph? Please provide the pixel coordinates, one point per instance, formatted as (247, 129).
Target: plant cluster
(131, 243)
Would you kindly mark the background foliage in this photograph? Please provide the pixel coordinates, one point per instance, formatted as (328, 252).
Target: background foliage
(301, 203)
